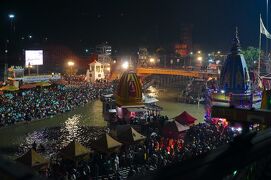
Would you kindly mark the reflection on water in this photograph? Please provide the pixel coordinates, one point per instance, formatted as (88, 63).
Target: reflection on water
(43, 131)
(71, 126)
(54, 139)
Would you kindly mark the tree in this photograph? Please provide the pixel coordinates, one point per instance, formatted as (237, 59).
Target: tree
(251, 55)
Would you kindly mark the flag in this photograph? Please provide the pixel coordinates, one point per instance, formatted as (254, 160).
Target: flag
(263, 30)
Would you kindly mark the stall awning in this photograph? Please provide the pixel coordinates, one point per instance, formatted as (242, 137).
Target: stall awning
(134, 109)
(150, 100)
(112, 110)
(107, 95)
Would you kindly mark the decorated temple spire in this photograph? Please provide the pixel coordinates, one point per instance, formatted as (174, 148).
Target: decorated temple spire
(236, 48)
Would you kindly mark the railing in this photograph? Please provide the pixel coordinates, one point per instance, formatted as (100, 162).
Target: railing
(188, 73)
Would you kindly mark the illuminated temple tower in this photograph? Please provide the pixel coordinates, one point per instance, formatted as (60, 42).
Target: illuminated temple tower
(235, 87)
(129, 96)
(234, 77)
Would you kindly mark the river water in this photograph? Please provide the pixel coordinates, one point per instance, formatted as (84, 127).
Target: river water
(81, 124)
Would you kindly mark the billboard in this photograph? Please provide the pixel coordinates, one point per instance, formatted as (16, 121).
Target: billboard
(33, 57)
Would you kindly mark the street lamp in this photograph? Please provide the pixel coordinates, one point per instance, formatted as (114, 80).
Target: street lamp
(199, 58)
(11, 16)
(152, 61)
(70, 64)
(29, 68)
(125, 65)
(171, 62)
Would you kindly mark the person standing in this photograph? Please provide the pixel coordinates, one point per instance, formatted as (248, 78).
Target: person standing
(116, 163)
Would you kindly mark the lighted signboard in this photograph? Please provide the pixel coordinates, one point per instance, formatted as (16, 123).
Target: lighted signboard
(33, 57)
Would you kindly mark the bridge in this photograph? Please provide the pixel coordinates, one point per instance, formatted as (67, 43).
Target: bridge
(191, 72)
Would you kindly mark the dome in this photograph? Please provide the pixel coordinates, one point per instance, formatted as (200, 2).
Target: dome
(129, 90)
(234, 77)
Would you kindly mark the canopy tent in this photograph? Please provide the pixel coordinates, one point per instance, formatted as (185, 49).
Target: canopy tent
(185, 118)
(173, 129)
(74, 150)
(32, 159)
(107, 95)
(28, 86)
(106, 144)
(129, 135)
(149, 99)
(9, 88)
(112, 110)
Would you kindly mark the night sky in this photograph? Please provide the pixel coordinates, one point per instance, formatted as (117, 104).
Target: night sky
(129, 24)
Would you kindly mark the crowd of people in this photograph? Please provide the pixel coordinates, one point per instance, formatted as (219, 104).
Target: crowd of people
(44, 102)
(156, 152)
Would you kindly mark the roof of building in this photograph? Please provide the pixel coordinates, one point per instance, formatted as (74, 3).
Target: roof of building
(129, 91)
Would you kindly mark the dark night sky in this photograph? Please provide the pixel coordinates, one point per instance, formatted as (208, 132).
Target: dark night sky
(125, 23)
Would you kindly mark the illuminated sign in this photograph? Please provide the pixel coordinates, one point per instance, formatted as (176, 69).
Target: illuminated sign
(33, 57)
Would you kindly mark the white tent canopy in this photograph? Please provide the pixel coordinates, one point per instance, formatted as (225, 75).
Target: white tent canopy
(148, 99)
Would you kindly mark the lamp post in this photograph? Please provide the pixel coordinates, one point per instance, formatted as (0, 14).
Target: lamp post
(199, 58)
(152, 61)
(70, 64)
(178, 62)
(11, 16)
(190, 58)
(29, 68)
(8, 46)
